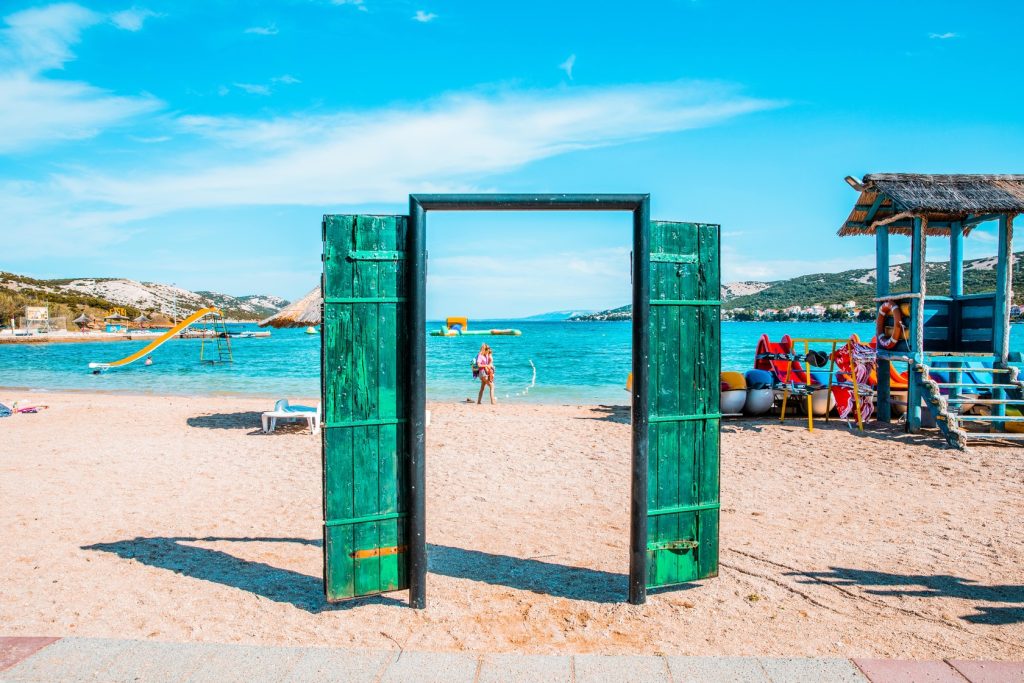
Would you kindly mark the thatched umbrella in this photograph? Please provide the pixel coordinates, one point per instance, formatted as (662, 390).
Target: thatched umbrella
(141, 320)
(82, 321)
(302, 313)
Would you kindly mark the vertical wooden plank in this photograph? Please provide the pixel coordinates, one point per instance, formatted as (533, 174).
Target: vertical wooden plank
(368, 458)
(707, 475)
(387, 360)
(668, 282)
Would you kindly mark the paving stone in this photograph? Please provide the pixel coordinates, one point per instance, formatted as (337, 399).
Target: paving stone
(908, 671)
(431, 667)
(326, 665)
(620, 668)
(990, 672)
(810, 670)
(154, 661)
(713, 669)
(511, 668)
(70, 660)
(13, 650)
(245, 664)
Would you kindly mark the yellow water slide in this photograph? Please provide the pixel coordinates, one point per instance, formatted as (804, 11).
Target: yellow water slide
(156, 343)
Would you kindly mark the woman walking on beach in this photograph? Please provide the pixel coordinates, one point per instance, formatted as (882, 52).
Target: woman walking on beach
(485, 372)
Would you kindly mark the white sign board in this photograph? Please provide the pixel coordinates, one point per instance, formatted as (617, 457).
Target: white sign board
(37, 314)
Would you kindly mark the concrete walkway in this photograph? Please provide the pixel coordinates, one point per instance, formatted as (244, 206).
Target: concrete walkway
(97, 659)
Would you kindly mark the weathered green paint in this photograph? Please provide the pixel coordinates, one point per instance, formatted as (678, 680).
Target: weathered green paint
(685, 357)
(364, 444)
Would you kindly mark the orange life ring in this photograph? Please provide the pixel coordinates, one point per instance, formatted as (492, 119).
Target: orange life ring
(898, 331)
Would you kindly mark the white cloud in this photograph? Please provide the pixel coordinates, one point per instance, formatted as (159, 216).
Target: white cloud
(132, 19)
(358, 4)
(254, 88)
(261, 89)
(567, 65)
(40, 39)
(943, 36)
(35, 111)
(424, 17)
(270, 30)
(38, 110)
(330, 160)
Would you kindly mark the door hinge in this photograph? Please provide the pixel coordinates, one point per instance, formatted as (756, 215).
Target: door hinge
(674, 546)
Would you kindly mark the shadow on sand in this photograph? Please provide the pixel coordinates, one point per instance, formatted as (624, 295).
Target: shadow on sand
(617, 414)
(176, 554)
(248, 418)
(931, 586)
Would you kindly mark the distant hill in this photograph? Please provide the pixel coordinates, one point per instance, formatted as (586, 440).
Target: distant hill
(72, 295)
(557, 315)
(611, 315)
(857, 285)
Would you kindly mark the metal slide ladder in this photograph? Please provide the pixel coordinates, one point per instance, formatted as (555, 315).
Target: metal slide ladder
(221, 353)
(986, 411)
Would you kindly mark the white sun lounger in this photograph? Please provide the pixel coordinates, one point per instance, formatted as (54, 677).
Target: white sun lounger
(285, 411)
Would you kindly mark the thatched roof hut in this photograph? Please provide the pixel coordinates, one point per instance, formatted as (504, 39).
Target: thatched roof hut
(894, 199)
(305, 312)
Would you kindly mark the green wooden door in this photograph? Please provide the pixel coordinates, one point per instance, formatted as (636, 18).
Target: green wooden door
(364, 398)
(683, 450)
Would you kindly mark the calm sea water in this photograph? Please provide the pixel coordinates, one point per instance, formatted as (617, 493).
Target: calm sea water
(551, 362)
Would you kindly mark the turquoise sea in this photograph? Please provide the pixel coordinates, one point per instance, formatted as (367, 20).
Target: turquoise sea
(552, 362)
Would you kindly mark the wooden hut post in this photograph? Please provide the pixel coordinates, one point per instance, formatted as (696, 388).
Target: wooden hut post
(1004, 290)
(882, 289)
(917, 258)
(956, 260)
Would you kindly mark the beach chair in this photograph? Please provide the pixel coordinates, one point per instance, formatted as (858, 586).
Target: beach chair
(285, 411)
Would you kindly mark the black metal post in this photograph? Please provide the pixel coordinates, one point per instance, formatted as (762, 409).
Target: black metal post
(417, 402)
(641, 354)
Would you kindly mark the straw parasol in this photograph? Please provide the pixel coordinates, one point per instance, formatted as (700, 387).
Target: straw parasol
(83, 319)
(143, 318)
(305, 312)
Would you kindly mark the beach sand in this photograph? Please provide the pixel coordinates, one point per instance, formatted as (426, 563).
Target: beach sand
(175, 519)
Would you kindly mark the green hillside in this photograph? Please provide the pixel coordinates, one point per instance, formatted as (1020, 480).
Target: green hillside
(857, 285)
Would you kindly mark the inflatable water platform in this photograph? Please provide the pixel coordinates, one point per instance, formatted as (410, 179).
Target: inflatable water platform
(459, 327)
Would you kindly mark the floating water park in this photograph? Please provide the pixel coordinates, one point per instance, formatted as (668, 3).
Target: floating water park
(459, 327)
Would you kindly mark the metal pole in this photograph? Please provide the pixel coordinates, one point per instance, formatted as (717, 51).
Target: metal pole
(641, 378)
(417, 399)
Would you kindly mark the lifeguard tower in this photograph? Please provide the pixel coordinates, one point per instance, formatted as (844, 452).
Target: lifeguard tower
(957, 346)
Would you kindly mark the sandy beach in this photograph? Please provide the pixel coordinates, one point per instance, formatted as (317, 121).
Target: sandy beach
(175, 519)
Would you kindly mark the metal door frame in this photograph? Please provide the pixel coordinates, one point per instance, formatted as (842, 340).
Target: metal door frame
(419, 204)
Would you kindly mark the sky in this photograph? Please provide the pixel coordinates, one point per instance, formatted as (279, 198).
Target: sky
(200, 143)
